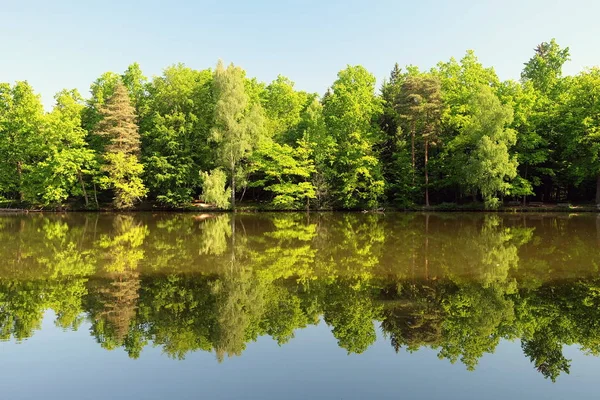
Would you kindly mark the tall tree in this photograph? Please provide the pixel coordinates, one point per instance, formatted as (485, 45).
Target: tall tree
(283, 107)
(420, 104)
(136, 84)
(396, 153)
(238, 123)
(175, 134)
(530, 149)
(581, 121)
(351, 112)
(489, 166)
(321, 147)
(118, 126)
(68, 161)
(286, 172)
(460, 81)
(544, 69)
(543, 72)
(21, 144)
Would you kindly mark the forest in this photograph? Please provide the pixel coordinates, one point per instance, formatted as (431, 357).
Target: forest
(451, 135)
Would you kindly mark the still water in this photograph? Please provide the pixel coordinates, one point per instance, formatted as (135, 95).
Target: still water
(296, 306)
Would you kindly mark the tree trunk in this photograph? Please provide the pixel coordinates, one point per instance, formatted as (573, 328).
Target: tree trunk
(426, 174)
(243, 193)
(85, 196)
(598, 191)
(525, 196)
(307, 204)
(96, 197)
(20, 176)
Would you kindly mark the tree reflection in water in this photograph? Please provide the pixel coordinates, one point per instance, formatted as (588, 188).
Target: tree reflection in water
(458, 284)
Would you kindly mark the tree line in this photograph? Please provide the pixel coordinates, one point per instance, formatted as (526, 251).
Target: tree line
(454, 133)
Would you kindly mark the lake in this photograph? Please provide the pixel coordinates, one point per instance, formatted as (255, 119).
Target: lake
(296, 306)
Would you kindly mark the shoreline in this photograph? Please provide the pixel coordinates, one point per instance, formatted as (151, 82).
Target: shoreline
(258, 209)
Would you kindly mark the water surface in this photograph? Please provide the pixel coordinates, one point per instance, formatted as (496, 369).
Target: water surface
(294, 306)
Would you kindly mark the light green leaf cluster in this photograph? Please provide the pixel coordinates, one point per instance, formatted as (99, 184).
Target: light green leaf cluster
(490, 167)
(213, 188)
(350, 110)
(123, 175)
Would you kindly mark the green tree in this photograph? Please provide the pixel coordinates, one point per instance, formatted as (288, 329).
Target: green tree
(283, 107)
(238, 123)
(544, 69)
(420, 104)
(395, 155)
(136, 84)
(531, 148)
(581, 121)
(286, 172)
(68, 162)
(460, 81)
(489, 167)
(213, 188)
(321, 146)
(175, 131)
(351, 111)
(543, 72)
(123, 170)
(21, 119)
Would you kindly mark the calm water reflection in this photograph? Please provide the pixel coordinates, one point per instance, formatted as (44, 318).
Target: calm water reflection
(297, 306)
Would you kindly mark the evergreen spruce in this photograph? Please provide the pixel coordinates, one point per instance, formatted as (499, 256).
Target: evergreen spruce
(123, 169)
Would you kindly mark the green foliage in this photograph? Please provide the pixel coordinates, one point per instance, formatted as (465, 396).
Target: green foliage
(283, 107)
(175, 130)
(21, 119)
(544, 69)
(489, 167)
(238, 123)
(350, 111)
(286, 172)
(123, 176)
(452, 134)
(121, 165)
(581, 125)
(419, 104)
(68, 161)
(213, 188)
(321, 146)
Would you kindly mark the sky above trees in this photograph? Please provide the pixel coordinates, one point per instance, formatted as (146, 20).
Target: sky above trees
(68, 43)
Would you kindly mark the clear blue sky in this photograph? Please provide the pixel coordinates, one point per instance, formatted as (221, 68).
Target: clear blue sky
(69, 43)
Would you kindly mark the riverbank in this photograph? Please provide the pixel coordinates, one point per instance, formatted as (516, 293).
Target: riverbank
(533, 207)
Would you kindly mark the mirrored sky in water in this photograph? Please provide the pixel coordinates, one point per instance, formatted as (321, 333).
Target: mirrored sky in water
(68, 365)
(331, 306)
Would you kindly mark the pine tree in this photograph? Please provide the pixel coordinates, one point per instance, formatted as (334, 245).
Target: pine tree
(118, 124)
(123, 169)
(420, 106)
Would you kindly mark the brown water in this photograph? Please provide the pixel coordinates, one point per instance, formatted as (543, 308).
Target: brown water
(341, 305)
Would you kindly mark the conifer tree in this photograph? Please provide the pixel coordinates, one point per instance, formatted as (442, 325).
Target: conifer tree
(122, 167)
(420, 104)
